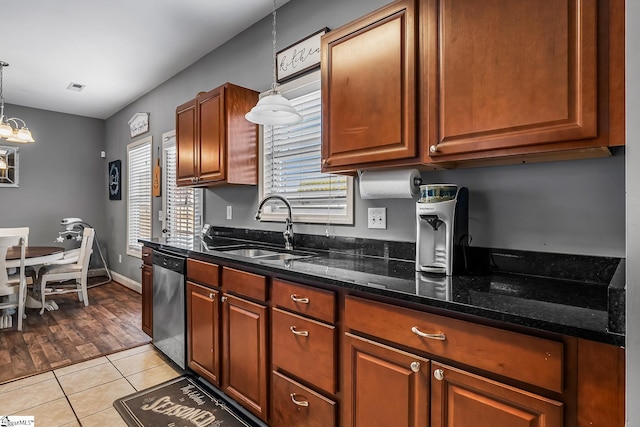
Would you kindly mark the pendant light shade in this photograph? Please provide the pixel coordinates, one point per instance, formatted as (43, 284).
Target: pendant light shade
(274, 109)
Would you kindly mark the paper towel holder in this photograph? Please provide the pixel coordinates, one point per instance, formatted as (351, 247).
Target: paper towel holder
(417, 182)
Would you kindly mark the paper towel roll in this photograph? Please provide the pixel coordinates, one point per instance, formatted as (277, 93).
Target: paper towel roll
(389, 184)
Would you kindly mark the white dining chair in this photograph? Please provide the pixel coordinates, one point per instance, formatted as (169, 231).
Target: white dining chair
(13, 287)
(55, 274)
(30, 272)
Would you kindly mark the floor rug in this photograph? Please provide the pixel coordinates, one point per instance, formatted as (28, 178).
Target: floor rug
(180, 402)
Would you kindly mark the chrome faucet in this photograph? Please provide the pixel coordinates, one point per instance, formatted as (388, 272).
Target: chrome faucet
(288, 232)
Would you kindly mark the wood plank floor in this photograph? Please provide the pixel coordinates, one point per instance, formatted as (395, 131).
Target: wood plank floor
(112, 322)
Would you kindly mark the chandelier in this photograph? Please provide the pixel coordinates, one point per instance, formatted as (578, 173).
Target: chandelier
(10, 126)
(274, 109)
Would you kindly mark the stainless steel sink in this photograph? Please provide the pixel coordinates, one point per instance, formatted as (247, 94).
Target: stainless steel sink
(267, 254)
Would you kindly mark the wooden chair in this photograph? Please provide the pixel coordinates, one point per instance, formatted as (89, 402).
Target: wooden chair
(14, 286)
(55, 274)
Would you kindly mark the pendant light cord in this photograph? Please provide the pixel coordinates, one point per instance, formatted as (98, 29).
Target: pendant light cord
(274, 85)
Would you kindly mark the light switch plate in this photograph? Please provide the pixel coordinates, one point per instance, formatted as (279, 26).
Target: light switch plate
(377, 218)
(229, 212)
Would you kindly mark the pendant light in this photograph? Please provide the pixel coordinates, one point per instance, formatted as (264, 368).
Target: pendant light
(274, 109)
(11, 133)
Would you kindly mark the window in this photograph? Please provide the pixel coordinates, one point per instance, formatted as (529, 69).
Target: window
(8, 166)
(138, 195)
(291, 156)
(182, 206)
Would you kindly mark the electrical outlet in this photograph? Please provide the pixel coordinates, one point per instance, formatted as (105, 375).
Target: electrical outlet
(377, 218)
(229, 212)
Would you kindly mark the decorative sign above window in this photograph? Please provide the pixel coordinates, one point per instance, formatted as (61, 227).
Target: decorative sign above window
(300, 57)
(139, 124)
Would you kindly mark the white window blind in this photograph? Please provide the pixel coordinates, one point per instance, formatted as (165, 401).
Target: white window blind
(182, 206)
(138, 195)
(291, 168)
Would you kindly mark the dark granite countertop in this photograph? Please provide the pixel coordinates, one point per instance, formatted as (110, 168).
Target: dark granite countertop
(578, 308)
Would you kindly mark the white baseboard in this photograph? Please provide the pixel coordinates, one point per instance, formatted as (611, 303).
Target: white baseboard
(125, 281)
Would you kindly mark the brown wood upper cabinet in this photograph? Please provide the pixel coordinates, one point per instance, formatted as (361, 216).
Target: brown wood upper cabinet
(443, 82)
(510, 74)
(369, 90)
(215, 143)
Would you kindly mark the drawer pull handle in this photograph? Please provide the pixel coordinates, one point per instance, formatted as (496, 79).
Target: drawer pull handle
(438, 374)
(418, 332)
(296, 298)
(301, 333)
(298, 402)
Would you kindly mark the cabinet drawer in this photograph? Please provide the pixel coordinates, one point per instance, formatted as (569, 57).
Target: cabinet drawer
(295, 405)
(243, 283)
(532, 360)
(147, 255)
(312, 302)
(304, 348)
(203, 272)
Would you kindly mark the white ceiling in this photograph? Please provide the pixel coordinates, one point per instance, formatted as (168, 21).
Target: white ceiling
(119, 49)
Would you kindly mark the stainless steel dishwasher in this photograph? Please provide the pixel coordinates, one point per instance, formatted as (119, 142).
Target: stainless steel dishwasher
(169, 305)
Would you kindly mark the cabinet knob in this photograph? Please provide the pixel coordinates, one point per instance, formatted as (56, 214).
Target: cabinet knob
(298, 402)
(433, 149)
(438, 374)
(415, 366)
(326, 162)
(141, 266)
(438, 336)
(296, 332)
(296, 298)
(212, 295)
(223, 299)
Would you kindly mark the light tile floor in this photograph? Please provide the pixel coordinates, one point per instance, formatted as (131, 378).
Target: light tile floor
(83, 394)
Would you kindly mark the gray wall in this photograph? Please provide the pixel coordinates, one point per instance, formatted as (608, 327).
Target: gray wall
(61, 175)
(571, 206)
(633, 214)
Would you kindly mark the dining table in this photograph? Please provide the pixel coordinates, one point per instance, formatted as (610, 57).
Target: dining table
(35, 256)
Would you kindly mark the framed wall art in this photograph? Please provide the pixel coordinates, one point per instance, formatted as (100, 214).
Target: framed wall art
(138, 124)
(300, 57)
(115, 180)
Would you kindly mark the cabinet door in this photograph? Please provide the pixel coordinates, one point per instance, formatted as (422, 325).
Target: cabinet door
(384, 386)
(147, 299)
(212, 149)
(186, 146)
(203, 331)
(245, 353)
(368, 89)
(512, 73)
(459, 398)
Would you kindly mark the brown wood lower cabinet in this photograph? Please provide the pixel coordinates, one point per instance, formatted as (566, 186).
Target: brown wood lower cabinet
(459, 398)
(147, 299)
(384, 386)
(203, 324)
(296, 405)
(245, 358)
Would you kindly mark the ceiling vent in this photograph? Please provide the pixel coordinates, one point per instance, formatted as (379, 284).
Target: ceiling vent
(75, 86)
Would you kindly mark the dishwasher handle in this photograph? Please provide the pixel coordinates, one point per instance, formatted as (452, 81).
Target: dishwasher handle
(169, 261)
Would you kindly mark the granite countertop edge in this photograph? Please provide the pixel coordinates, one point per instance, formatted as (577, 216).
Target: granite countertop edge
(596, 320)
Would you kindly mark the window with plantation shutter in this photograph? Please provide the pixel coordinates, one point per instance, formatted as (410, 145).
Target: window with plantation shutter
(182, 206)
(138, 195)
(291, 156)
